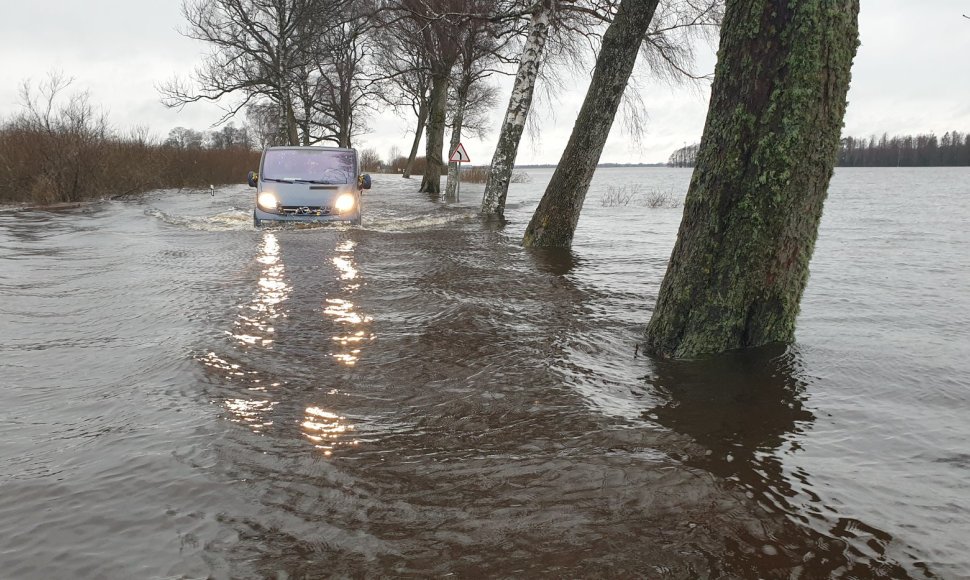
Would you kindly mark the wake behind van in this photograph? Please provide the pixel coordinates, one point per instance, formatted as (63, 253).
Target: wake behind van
(308, 184)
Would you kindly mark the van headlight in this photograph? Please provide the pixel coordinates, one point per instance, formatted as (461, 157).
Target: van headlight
(267, 201)
(345, 202)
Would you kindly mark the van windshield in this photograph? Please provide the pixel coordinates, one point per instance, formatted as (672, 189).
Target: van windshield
(313, 165)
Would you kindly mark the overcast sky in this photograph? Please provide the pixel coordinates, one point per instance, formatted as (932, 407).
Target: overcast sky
(911, 75)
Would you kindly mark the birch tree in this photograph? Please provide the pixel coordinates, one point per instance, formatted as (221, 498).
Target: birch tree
(741, 261)
(517, 112)
(662, 34)
(557, 32)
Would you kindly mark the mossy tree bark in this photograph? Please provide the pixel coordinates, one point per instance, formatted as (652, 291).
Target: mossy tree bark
(740, 264)
(554, 221)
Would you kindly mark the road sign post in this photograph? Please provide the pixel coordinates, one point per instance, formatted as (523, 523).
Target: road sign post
(459, 156)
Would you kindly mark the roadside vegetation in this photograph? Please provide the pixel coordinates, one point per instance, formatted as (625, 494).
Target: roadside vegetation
(61, 150)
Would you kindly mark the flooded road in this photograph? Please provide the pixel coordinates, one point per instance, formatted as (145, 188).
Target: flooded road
(182, 395)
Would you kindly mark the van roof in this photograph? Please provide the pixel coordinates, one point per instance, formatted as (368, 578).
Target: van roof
(321, 147)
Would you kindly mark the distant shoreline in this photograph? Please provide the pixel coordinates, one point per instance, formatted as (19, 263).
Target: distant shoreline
(553, 166)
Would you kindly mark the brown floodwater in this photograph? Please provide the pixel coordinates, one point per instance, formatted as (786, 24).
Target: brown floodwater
(184, 396)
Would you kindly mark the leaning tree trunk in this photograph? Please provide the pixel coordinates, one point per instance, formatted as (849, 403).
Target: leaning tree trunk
(418, 131)
(554, 221)
(740, 264)
(435, 140)
(503, 160)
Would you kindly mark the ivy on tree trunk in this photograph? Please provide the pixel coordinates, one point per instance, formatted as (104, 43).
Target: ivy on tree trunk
(741, 261)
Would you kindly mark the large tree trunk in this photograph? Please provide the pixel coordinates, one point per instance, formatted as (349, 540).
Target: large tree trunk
(740, 264)
(435, 139)
(554, 221)
(418, 131)
(503, 160)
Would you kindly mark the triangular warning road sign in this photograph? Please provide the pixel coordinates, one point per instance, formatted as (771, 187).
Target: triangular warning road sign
(460, 155)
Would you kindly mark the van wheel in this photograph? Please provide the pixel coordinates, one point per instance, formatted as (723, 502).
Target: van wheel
(356, 221)
(256, 221)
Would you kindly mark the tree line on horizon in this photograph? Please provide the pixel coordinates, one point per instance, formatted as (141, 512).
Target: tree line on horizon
(923, 150)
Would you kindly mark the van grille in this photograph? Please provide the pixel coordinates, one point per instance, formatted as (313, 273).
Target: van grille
(306, 210)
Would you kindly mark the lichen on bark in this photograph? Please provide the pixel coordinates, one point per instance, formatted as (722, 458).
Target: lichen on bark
(741, 260)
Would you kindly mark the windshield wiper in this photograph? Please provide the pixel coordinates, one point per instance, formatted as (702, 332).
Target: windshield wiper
(277, 180)
(319, 181)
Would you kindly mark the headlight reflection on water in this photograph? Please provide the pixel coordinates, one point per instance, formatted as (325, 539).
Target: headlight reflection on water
(250, 412)
(343, 311)
(326, 430)
(256, 319)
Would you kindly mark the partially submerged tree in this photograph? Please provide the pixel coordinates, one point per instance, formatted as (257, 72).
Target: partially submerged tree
(554, 221)
(517, 112)
(434, 29)
(666, 48)
(751, 217)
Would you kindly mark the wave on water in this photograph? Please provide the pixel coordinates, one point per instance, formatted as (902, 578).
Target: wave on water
(231, 220)
(238, 219)
(410, 224)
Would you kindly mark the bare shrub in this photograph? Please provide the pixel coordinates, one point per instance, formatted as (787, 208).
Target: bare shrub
(634, 194)
(65, 153)
(479, 174)
(520, 177)
(370, 161)
(619, 195)
(397, 164)
(658, 198)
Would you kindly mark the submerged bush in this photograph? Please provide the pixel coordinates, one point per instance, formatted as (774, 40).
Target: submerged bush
(625, 195)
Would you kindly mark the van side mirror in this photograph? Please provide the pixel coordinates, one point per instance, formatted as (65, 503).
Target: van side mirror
(252, 178)
(364, 181)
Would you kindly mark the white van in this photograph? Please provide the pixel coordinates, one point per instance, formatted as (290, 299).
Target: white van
(308, 184)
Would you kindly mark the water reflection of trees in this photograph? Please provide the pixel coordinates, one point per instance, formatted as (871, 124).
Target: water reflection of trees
(744, 411)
